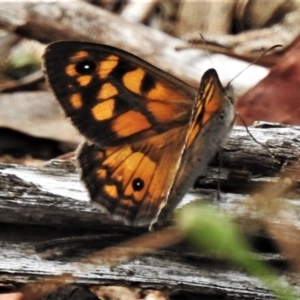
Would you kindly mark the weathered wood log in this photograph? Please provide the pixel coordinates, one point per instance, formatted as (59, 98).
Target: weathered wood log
(58, 180)
(41, 204)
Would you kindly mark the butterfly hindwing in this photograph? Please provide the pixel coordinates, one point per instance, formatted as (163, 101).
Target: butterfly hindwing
(113, 97)
(132, 182)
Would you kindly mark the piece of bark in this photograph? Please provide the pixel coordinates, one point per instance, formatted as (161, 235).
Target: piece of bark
(196, 16)
(62, 20)
(51, 198)
(173, 271)
(258, 25)
(67, 292)
(37, 114)
(18, 145)
(137, 11)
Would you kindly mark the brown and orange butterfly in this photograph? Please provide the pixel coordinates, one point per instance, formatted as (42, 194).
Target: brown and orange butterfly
(149, 134)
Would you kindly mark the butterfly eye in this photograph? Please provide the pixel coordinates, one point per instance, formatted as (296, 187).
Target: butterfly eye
(86, 67)
(222, 116)
(137, 184)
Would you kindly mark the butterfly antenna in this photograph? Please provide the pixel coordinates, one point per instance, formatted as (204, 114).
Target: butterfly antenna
(254, 139)
(255, 60)
(206, 49)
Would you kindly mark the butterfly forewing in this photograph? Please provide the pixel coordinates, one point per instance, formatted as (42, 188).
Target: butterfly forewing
(113, 97)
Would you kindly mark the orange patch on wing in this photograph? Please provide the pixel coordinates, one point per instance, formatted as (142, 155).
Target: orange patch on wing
(115, 156)
(211, 108)
(133, 80)
(160, 184)
(84, 80)
(127, 168)
(107, 91)
(104, 110)
(107, 65)
(111, 190)
(212, 100)
(79, 55)
(163, 93)
(76, 101)
(101, 173)
(167, 112)
(161, 111)
(129, 123)
(70, 70)
(144, 171)
(110, 151)
(195, 127)
(192, 135)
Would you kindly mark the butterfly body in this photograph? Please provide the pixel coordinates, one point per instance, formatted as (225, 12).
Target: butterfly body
(148, 133)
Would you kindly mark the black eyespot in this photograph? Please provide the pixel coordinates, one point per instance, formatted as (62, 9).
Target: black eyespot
(86, 67)
(137, 184)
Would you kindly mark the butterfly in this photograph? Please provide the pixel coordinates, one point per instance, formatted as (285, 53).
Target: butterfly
(148, 134)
